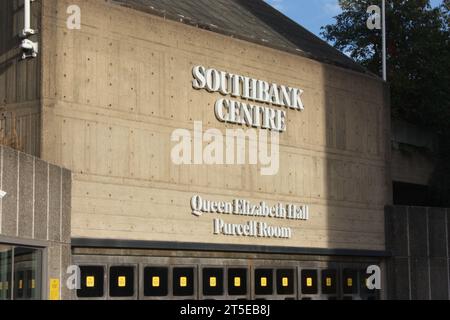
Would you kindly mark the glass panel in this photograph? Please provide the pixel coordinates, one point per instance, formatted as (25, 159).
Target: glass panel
(329, 281)
(27, 271)
(213, 282)
(121, 281)
(183, 282)
(5, 272)
(285, 281)
(156, 281)
(237, 281)
(92, 282)
(349, 281)
(309, 282)
(263, 281)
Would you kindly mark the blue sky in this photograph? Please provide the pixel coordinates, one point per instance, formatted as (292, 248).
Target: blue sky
(312, 14)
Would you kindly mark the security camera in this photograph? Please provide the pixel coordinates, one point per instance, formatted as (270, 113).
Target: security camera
(2, 194)
(30, 49)
(27, 32)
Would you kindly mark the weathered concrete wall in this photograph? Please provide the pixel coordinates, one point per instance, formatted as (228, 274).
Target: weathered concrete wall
(19, 81)
(418, 239)
(414, 153)
(115, 90)
(36, 208)
(411, 165)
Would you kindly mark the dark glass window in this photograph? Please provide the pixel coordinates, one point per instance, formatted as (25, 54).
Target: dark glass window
(19, 279)
(237, 282)
(121, 281)
(309, 281)
(27, 262)
(5, 272)
(329, 281)
(212, 281)
(263, 281)
(30, 284)
(349, 281)
(285, 281)
(183, 282)
(92, 282)
(156, 282)
(27, 272)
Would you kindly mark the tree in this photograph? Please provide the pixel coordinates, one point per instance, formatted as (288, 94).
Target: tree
(418, 55)
(418, 52)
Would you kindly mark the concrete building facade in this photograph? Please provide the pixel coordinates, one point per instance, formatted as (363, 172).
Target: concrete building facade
(105, 100)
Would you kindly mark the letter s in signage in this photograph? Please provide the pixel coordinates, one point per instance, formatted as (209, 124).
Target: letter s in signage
(199, 81)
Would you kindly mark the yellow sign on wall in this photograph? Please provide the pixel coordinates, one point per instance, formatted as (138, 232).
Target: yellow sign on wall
(285, 282)
(237, 282)
(90, 282)
(349, 282)
(212, 282)
(122, 282)
(263, 282)
(54, 289)
(183, 282)
(155, 282)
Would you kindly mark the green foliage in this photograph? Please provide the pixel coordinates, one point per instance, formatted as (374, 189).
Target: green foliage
(418, 51)
(418, 55)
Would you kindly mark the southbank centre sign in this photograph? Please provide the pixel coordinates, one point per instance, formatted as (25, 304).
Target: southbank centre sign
(259, 91)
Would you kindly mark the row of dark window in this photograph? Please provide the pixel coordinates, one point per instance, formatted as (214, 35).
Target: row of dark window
(20, 270)
(180, 282)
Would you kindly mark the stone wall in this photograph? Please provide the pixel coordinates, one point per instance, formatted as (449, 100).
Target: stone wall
(36, 210)
(20, 86)
(418, 239)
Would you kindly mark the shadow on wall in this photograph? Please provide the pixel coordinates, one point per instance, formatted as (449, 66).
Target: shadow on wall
(8, 131)
(9, 55)
(351, 128)
(19, 81)
(440, 179)
(417, 238)
(11, 16)
(357, 173)
(354, 127)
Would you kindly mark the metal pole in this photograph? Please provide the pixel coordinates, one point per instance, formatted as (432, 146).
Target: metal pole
(29, 48)
(27, 18)
(27, 31)
(384, 41)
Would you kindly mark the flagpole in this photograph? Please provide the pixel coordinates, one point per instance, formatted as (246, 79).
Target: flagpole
(384, 40)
